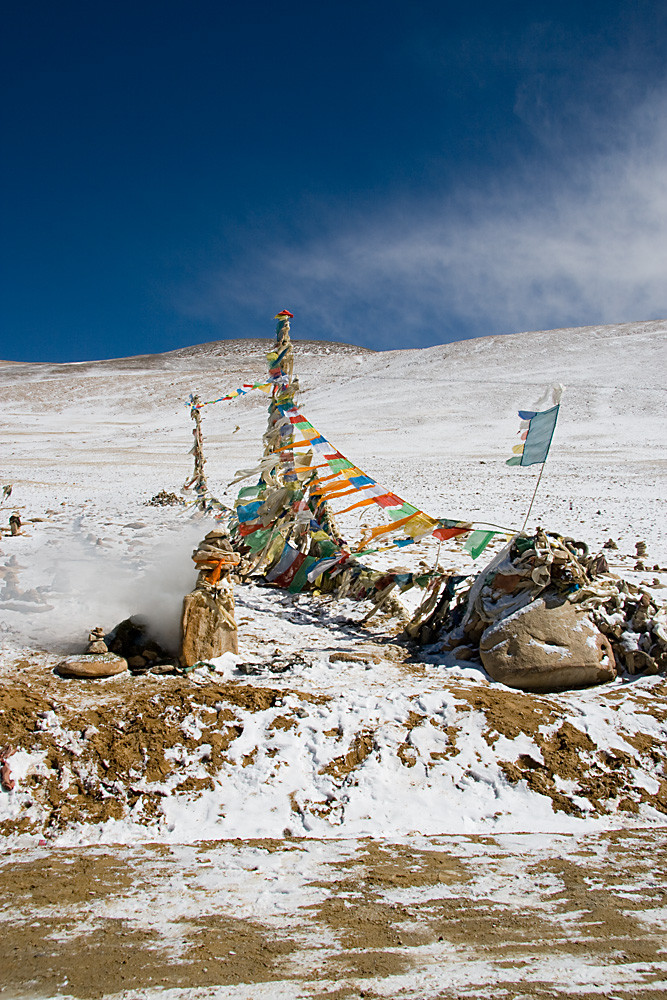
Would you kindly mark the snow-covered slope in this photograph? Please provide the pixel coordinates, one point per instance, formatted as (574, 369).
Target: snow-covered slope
(86, 445)
(420, 421)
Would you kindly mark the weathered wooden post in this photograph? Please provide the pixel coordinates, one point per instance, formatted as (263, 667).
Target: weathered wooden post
(198, 480)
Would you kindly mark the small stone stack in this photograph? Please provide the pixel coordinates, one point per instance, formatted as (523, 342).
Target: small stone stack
(208, 625)
(641, 553)
(96, 663)
(96, 643)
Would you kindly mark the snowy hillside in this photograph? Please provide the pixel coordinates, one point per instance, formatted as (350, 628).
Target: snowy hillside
(360, 735)
(421, 421)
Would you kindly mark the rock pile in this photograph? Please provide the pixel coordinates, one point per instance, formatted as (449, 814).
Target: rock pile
(131, 639)
(164, 499)
(128, 645)
(636, 626)
(545, 615)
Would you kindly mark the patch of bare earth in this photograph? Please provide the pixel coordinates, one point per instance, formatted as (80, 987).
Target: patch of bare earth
(65, 948)
(435, 918)
(105, 742)
(573, 768)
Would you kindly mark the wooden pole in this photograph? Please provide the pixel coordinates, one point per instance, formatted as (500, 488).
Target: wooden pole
(198, 479)
(523, 527)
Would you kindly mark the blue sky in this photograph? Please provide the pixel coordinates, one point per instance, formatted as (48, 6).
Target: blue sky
(396, 174)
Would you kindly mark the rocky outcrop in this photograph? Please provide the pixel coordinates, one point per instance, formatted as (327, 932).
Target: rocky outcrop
(541, 648)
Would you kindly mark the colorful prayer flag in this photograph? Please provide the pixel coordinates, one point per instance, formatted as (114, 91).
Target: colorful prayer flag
(537, 438)
(477, 542)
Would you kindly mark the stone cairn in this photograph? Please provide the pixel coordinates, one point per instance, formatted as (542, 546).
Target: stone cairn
(545, 615)
(208, 626)
(96, 662)
(96, 643)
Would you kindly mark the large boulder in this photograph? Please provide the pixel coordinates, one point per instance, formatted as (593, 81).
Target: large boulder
(92, 665)
(543, 648)
(208, 628)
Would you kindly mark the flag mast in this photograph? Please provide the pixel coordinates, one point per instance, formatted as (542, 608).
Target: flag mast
(537, 430)
(537, 485)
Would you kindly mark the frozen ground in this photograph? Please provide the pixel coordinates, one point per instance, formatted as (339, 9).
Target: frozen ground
(440, 918)
(360, 737)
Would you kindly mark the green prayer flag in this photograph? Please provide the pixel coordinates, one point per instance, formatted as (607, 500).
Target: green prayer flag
(300, 580)
(538, 439)
(250, 491)
(256, 540)
(398, 513)
(477, 542)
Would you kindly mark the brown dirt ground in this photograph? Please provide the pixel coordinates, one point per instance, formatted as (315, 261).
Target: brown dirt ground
(129, 725)
(475, 915)
(116, 734)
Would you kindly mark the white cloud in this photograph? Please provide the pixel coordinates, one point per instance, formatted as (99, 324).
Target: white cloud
(583, 243)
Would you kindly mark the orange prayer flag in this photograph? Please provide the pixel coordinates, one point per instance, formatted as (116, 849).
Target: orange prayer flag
(325, 479)
(383, 528)
(361, 503)
(343, 493)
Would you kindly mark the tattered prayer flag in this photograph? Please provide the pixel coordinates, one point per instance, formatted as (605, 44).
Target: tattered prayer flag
(246, 387)
(284, 570)
(442, 534)
(250, 491)
(537, 427)
(249, 512)
(300, 577)
(401, 512)
(538, 440)
(421, 524)
(383, 528)
(249, 528)
(258, 539)
(388, 500)
(321, 565)
(477, 542)
(359, 503)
